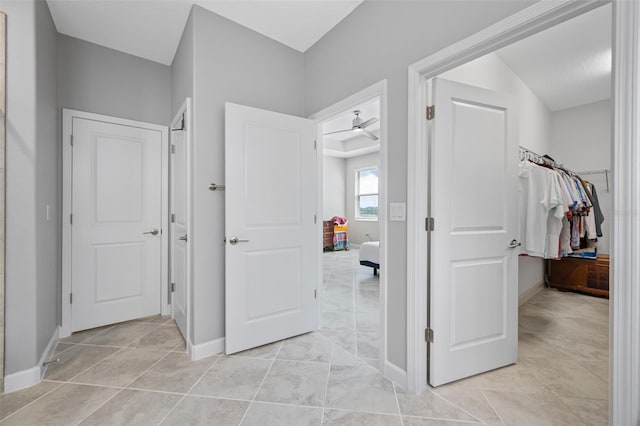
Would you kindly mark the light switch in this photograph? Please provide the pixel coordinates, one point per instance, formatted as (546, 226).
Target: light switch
(398, 212)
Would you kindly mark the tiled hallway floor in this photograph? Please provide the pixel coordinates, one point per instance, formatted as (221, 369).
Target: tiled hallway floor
(351, 305)
(138, 373)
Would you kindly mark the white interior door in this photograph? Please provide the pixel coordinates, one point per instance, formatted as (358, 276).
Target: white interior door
(179, 226)
(474, 271)
(117, 216)
(270, 206)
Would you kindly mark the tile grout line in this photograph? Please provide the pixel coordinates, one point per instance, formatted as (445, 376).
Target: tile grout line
(273, 361)
(455, 405)
(395, 393)
(122, 389)
(190, 389)
(93, 365)
(60, 384)
(492, 407)
(326, 389)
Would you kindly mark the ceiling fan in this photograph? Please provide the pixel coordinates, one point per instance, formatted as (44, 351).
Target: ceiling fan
(358, 126)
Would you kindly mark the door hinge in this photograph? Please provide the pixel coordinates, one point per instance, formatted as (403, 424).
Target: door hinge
(173, 149)
(315, 294)
(315, 218)
(70, 298)
(429, 224)
(315, 144)
(431, 112)
(173, 218)
(428, 335)
(71, 219)
(71, 140)
(173, 286)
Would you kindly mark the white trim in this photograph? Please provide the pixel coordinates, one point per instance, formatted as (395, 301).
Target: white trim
(22, 379)
(67, 157)
(204, 350)
(396, 374)
(625, 270)
(185, 110)
(375, 90)
(32, 376)
(538, 17)
(526, 295)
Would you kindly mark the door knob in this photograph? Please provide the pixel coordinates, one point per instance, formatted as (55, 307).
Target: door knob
(235, 240)
(152, 232)
(514, 243)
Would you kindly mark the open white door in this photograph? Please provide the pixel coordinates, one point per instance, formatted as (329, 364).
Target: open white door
(270, 206)
(117, 223)
(180, 191)
(474, 202)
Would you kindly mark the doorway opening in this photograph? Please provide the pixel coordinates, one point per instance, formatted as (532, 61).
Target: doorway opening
(352, 188)
(428, 69)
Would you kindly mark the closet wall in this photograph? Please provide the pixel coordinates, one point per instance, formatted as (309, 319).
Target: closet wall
(581, 140)
(491, 73)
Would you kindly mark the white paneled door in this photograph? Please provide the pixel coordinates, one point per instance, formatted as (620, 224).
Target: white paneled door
(474, 260)
(270, 207)
(179, 236)
(116, 223)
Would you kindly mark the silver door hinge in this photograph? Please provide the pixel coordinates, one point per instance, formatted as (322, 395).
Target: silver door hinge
(428, 335)
(315, 294)
(70, 298)
(173, 286)
(315, 144)
(173, 149)
(431, 112)
(71, 219)
(71, 140)
(173, 218)
(429, 224)
(315, 218)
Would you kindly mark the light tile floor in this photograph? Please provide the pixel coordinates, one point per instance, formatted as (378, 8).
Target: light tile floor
(351, 305)
(138, 373)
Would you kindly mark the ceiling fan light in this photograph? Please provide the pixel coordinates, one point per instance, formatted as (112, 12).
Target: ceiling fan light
(357, 129)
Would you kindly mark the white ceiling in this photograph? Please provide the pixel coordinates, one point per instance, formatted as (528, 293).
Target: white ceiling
(569, 64)
(151, 29)
(351, 144)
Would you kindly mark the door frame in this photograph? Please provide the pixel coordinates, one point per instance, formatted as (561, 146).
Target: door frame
(67, 189)
(185, 112)
(376, 90)
(625, 272)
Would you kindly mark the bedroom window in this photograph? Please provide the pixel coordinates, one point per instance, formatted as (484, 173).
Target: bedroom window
(367, 194)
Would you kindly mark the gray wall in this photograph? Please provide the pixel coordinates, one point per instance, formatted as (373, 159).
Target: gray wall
(97, 79)
(32, 243)
(581, 140)
(333, 187)
(232, 64)
(379, 40)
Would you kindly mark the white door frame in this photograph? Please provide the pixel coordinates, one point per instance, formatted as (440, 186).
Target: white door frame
(67, 189)
(184, 113)
(375, 90)
(625, 294)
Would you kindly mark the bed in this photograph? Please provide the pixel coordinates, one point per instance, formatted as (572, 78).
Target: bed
(370, 255)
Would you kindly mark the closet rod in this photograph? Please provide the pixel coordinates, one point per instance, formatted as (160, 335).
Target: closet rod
(597, 172)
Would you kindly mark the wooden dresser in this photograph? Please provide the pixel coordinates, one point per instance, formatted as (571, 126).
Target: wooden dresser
(589, 276)
(327, 235)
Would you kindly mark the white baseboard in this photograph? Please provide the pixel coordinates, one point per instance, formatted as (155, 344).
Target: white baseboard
(206, 349)
(32, 376)
(529, 293)
(396, 374)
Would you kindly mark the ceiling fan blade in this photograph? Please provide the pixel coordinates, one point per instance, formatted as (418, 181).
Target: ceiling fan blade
(369, 122)
(369, 135)
(339, 131)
